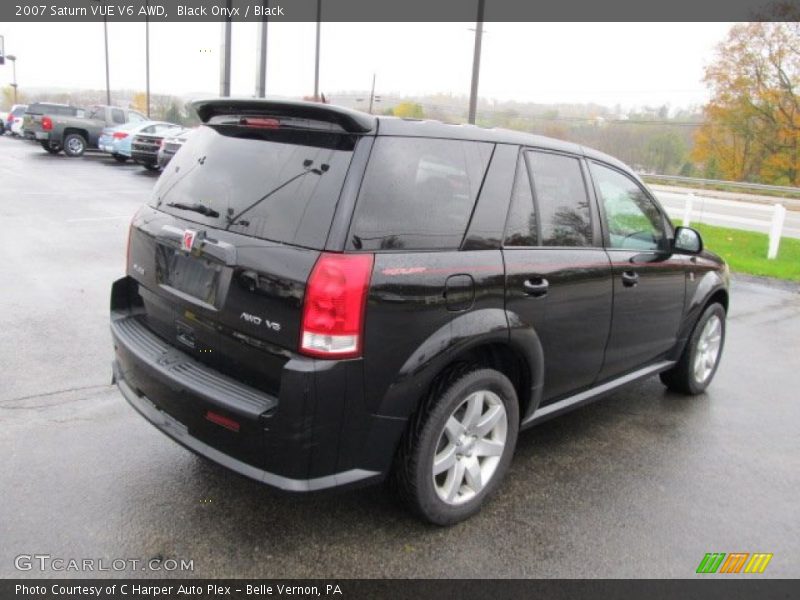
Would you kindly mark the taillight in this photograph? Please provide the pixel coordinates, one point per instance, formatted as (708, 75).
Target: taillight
(47, 123)
(334, 306)
(120, 135)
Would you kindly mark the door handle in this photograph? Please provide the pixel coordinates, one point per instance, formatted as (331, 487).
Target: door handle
(630, 278)
(536, 287)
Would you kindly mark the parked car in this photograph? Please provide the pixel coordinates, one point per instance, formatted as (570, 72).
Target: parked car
(3, 117)
(145, 147)
(14, 119)
(75, 134)
(316, 297)
(38, 111)
(170, 144)
(116, 141)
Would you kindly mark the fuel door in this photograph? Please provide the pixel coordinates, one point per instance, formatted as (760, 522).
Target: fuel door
(459, 292)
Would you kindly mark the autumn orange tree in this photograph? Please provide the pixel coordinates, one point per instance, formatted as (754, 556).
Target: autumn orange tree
(752, 126)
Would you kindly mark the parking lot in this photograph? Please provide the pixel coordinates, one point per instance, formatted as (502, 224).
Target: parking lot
(642, 484)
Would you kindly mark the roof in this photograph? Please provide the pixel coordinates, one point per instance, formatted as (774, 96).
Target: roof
(437, 129)
(354, 121)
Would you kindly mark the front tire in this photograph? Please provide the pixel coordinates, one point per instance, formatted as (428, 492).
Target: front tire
(151, 167)
(698, 364)
(74, 145)
(459, 446)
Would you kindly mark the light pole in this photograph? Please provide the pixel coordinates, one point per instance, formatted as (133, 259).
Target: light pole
(316, 62)
(105, 34)
(13, 60)
(147, 58)
(225, 55)
(372, 94)
(476, 64)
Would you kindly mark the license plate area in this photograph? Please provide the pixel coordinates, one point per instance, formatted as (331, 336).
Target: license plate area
(192, 277)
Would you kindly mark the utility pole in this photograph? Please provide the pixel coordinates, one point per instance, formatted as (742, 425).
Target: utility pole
(13, 60)
(372, 94)
(476, 64)
(225, 57)
(261, 56)
(105, 35)
(316, 62)
(108, 76)
(147, 57)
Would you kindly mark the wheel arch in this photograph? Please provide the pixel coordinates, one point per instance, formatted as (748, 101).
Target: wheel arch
(481, 338)
(711, 289)
(68, 130)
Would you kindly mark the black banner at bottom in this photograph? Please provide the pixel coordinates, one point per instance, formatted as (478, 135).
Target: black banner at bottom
(416, 589)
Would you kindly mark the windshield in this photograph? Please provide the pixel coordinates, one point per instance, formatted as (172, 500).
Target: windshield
(227, 169)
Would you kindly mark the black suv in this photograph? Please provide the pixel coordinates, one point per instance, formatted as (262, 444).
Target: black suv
(316, 297)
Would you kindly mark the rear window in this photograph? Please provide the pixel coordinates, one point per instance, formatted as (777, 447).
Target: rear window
(275, 184)
(418, 193)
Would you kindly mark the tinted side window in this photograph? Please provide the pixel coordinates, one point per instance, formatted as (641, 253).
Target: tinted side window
(521, 229)
(634, 221)
(561, 200)
(118, 115)
(418, 193)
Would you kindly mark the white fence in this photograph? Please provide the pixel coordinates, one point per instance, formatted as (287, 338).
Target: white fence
(768, 218)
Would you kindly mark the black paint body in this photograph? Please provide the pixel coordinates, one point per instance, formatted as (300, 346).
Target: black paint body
(309, 423)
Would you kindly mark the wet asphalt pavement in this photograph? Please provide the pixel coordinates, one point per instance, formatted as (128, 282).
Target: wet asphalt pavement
(641, 484)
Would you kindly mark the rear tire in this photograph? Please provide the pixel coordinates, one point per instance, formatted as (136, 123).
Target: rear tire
(700, 358)
(458, 447)
(74, 145)
(151, 167)
(120, 158)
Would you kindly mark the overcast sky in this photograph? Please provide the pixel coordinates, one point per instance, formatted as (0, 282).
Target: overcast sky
(628, 63)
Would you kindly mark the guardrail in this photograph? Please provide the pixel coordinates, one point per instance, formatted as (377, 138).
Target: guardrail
(783, 189)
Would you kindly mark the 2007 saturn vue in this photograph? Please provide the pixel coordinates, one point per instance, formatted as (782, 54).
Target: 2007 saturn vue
(316, 297)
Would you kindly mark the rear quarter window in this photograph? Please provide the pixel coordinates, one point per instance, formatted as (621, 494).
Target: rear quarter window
(418, 193)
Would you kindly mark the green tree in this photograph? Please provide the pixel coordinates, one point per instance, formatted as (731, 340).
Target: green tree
(665, 152)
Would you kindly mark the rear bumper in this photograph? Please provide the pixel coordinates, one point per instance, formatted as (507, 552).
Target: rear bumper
(180, 433)
(145, 158)
(313, 435)
(40, 136)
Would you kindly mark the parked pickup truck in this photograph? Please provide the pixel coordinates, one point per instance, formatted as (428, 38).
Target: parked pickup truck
(74, 134)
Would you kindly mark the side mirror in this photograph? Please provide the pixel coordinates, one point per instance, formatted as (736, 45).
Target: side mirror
(687, 240)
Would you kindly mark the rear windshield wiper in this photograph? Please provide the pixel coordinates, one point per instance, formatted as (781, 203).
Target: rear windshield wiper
(234, 220)
(198, 208)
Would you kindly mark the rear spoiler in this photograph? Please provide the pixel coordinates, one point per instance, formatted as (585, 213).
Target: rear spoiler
(351, 121)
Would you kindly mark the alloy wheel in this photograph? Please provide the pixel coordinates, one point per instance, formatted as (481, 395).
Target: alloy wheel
(470, 447)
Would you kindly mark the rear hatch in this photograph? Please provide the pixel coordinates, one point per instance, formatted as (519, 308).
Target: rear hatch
(235, 225)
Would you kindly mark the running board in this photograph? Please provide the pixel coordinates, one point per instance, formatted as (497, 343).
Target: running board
(590, 395)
